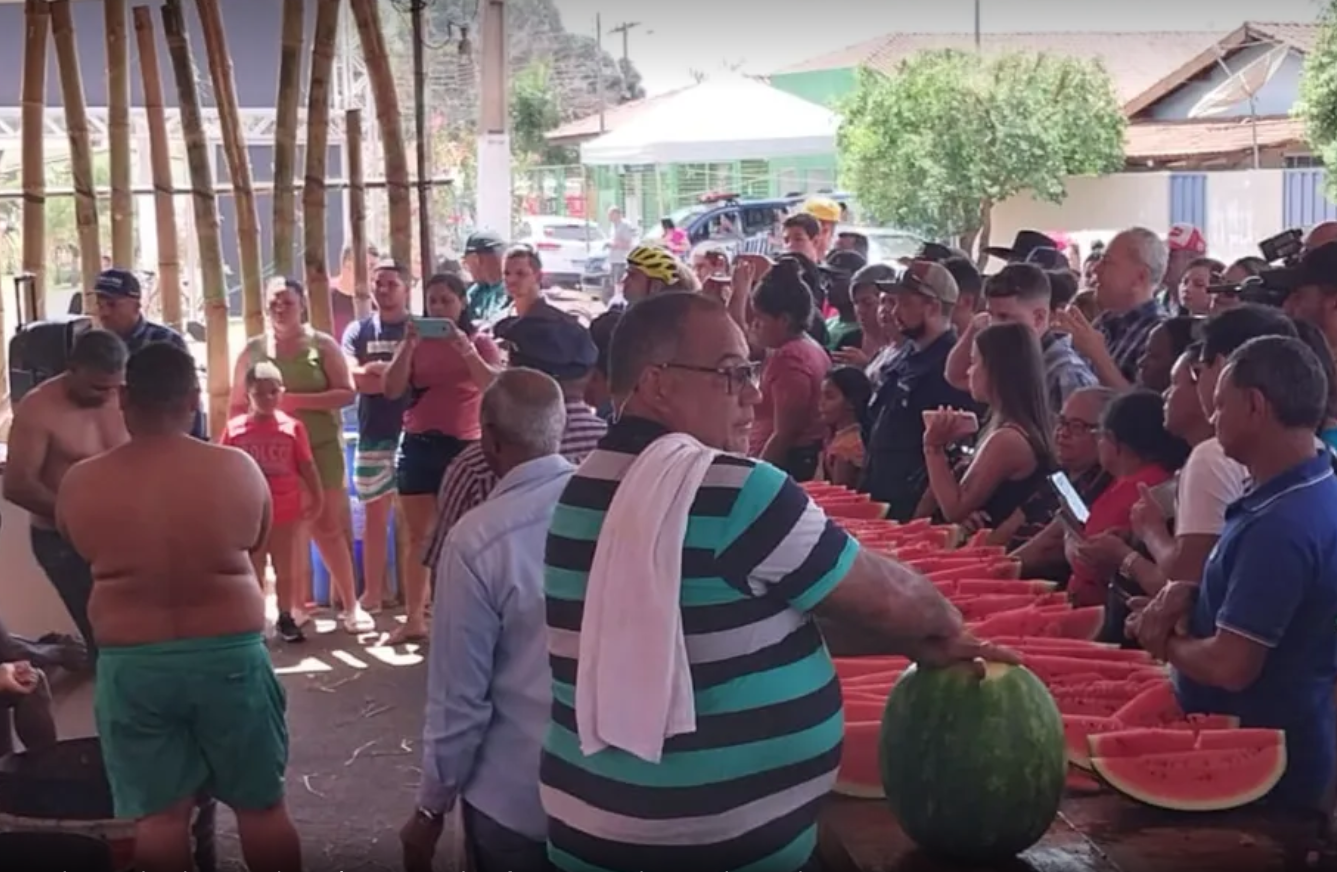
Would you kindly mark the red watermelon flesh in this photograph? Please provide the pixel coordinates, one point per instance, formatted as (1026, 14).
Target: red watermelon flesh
(977, 608)
(1087, 653)
(1059, 621)
(859, 774)
(1102, 688)
(856, 510)
(997, 569)
(1214, 780)
(1152, 707)
(1077, 729)
(848, 667)
(1137, 743)
(1077, 703)
(1054, 666)
(873, 678)
(1081, 782)
(858, 708)
(1055, 642)
(970, 586)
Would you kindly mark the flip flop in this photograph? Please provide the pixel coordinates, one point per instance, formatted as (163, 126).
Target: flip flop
(401, 636)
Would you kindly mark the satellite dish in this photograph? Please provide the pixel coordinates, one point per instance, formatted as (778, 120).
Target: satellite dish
(1241, 85)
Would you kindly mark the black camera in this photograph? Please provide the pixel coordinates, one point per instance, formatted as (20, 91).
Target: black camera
(1253, 290)
(1284, 248)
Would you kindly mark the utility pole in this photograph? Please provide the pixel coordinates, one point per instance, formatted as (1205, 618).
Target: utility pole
(599, 67)
(493, 210)
(425, 256)
(977, 25)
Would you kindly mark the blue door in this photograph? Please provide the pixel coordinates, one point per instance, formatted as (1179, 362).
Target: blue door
(1188, 199)
(1303, 203)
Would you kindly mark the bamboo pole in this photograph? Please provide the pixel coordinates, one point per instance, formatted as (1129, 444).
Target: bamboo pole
(357, 211)
(81, 151)
(218, 364)
(118, 135)
(317, 148)
(377, 60)
(285, 135)
(37, 21)
(160, 153)
(238, 162)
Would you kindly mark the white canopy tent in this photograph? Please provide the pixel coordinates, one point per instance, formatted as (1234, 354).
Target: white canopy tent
(735, 118)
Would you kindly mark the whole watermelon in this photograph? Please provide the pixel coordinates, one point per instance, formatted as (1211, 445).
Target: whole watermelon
(973, 767)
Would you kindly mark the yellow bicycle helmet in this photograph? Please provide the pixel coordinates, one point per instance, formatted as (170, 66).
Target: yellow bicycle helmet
(655, 262)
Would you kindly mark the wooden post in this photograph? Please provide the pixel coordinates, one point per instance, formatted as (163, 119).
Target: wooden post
(317, 147)
(81, 151)
(377, 59)
(37, 21)
(238, 163)
(285, 135)
(357, 211)
(118, 135)
(160, 153)
(214, 291)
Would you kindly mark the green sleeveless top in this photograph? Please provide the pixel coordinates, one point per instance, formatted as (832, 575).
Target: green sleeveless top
(304, 374)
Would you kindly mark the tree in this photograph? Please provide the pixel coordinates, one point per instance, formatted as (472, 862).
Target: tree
(934, 146)
(1318, 95)
(534, 111)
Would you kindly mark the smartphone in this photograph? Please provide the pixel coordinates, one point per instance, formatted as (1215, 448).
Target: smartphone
(434, 328)
(1071, 509)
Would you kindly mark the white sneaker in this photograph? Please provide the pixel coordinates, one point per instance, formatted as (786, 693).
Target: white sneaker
(300, 617)
(358, 621)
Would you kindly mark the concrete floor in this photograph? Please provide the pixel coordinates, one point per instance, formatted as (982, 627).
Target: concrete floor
(355, 718)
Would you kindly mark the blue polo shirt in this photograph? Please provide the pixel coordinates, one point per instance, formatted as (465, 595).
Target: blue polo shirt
(1272, 578)
(146, 332)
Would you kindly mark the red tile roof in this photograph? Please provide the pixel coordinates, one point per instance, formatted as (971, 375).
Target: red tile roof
(1169, 141)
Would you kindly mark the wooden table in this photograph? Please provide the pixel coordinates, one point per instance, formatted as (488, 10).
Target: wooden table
(1096, 833)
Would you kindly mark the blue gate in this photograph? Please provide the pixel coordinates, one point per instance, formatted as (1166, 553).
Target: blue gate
(1188, 199)
(1303, 203)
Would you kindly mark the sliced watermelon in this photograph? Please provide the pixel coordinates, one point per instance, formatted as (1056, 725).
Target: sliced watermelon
(1051, 667)
(859, 774)
(859, 708)
(1077, 730)
(849, 667)
(1077, 703)
(856, 510)
(1214, 780)
(996, 568)
(979, 607)
(1080, 781)
(991, 586)
(1137, 743)
(1057, 621)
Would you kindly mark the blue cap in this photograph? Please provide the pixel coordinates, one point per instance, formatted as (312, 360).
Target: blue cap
(117, 283)
(559, 346)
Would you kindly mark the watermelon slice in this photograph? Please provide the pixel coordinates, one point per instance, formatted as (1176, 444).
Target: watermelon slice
(856, 510)
(1059, 621)
(1054, 666)
(1210, 780)
(1077, 730)
(1138, 743)
(849, 667)
(864, 708)
(860, 774)
(979, 607)
(991, 586)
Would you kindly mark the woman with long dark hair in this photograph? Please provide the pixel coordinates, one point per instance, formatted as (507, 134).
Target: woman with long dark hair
(444, 378)
(788, 429)
(1014, 450)
(846, 393)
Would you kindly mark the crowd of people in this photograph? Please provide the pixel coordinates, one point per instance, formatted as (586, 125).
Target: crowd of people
(628, 595)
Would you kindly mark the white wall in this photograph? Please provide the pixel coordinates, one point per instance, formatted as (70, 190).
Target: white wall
(1243, 206)
(29, 605)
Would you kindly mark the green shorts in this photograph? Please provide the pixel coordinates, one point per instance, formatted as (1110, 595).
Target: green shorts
(177, 718)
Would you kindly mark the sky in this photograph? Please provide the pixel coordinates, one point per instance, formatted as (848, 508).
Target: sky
(761, 36)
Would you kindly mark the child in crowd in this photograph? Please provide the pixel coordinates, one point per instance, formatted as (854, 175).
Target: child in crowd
(278, 443)
(843, 406)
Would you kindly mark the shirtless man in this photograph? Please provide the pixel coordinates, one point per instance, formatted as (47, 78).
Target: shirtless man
(186, 697)
(60, 422)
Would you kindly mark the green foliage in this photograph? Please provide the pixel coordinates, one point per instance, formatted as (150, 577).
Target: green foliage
(534, 111)
(934, 146)
(1318, 95)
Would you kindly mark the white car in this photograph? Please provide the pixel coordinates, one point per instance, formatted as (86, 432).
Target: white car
(563, 244)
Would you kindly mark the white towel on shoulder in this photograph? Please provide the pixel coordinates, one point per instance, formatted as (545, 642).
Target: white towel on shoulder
(633, 680)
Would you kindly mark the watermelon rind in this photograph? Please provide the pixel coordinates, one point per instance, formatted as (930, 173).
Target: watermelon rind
(1181, 781)
(973, 768)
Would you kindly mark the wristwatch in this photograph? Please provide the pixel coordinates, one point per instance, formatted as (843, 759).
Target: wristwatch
(430, 816)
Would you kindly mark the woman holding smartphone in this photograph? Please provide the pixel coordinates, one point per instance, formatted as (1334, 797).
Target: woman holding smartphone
(1015, 451)
(444, 376)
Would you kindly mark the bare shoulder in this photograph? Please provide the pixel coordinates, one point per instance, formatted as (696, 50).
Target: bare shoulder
(88, 472)
(233, 461)
(40, 398)
(325, 343)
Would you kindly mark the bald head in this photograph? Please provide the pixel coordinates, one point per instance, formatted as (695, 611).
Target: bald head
(1321, 234)
(523, 415)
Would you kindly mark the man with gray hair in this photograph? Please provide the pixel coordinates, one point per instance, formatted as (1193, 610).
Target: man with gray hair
(1127, 277)
(489, 688)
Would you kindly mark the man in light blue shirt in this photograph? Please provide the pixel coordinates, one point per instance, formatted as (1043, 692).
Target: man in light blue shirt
(489, 688)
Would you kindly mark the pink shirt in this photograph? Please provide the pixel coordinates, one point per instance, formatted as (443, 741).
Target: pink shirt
(795, 372)
(279, 446)
(444, 397)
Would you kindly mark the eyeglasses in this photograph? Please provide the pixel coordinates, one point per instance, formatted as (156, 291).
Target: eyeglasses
(1076, 427)
(735, 377)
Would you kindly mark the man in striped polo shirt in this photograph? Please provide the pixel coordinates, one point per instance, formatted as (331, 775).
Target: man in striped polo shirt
(554, 343)
(742, 791)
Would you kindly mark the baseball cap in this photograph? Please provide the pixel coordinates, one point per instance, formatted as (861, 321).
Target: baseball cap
(928, 279)
(558, 346)
(880, 274)
(822, 208)
(117, 283)
(1317, 266)
(843, 263)
(484, 242)
(1186, 237)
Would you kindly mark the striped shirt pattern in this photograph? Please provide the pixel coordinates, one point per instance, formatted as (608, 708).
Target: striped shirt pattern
(741, 792)
(468, 480)
(1126, 335)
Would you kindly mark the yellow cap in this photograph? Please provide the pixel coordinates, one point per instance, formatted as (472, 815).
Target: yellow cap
(823, 209)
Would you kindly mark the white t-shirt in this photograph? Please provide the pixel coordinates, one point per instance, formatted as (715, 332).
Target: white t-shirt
(1208, 483)
(623, 239)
